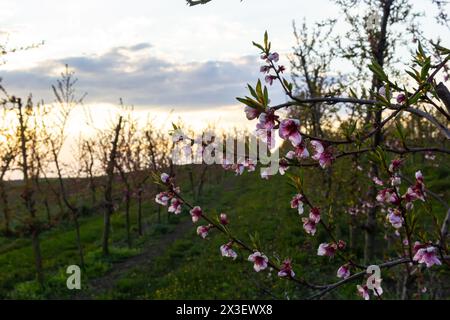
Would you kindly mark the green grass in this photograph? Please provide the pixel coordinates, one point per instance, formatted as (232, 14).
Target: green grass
(192, 268)
(59, 250)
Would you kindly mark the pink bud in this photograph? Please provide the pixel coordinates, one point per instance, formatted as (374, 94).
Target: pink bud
(223, 219)
(401, 98)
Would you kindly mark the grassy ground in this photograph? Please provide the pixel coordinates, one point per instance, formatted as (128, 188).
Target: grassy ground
(192, 268)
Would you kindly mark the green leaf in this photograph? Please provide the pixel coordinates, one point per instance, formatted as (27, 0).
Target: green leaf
(414, 74)
(353, 94)
(252, 91)
(266, 41)
(266, 97)
(258, 46)
(378, 71)
(442, 50)
(287, 84)
(259, 92)
(250, 102)
(425, 69)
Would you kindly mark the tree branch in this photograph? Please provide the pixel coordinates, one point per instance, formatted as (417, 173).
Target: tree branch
(192, 3)
(443, 94)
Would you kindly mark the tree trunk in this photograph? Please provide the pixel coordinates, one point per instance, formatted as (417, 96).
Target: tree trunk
(191, 180)
(106, 230)
(201, 182)
(28, 194)
(109, 208)
(47, 209)
(37, 256)
(379, 53)
(139, 219)
(79, 245)
(6, 210)
(93, 192)
(127, 218)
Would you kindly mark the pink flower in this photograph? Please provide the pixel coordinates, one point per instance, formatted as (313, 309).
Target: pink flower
(324, 156)
(396, 181)
(430, 156)
(325, 159)
(250, 165)
(226, 164)
(175, 206)
(265, 173)
(415, 192)
(395, 165)
(417, 246)
(162, 198)
(401, 98)
(343, 272)
(260, 261)
(419, 176)
(286, 269)
(395, 218)
(327, 249)
(281, 69)
(309, 225)
(202, 231)
(264, 69)
(227, 251)
(238, 168)
(377, 181)
(251, 113)
(165, 178)
(267, 120)
(290, 155)
(300, 152)
(269, 79)
(297, 203)
(314, 214)
(318, 146)
(363, 291)
(427, 255)
(223, 219)
(341, 244)
(283, 166)
(383, 194)
(376, 287)
(388, 195)
(394, 199)
(273, 57)
(196, 213)
(289, 129)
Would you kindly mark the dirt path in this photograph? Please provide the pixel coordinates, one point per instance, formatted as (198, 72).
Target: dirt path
(108, 281)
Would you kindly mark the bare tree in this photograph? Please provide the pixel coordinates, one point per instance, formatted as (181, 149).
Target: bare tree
(108, 191)
(8, 154)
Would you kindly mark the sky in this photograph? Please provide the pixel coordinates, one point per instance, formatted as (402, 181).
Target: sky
(161, 56)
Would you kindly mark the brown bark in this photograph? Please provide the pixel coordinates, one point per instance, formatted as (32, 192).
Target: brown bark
(109, 207)
(28, 193)
(443, 94)
(379, 53)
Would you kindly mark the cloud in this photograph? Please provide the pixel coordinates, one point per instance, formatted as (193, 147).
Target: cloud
(142, 79)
